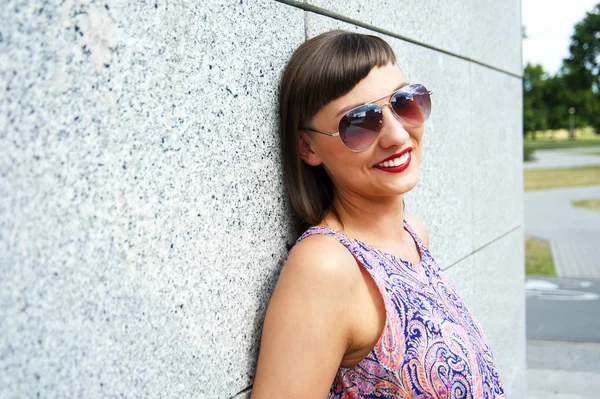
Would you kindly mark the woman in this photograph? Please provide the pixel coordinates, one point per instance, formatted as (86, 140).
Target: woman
(361, 309)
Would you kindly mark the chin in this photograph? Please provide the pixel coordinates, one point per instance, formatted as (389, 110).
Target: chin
(406, 187)
(403, 185)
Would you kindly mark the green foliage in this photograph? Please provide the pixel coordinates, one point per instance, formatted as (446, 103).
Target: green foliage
(547, 99)
(528, 153)
(582, 68)
(535, 112)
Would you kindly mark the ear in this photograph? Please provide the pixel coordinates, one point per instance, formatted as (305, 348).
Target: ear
(307, 154)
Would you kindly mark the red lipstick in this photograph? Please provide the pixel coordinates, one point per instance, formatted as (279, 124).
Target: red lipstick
(399, 168)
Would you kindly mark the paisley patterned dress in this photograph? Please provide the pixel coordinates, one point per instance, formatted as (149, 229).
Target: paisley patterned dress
(431, 345)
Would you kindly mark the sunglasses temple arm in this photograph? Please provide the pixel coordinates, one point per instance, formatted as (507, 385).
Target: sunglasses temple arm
(317, 131)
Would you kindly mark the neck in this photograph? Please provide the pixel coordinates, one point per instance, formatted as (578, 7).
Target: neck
(374, 220)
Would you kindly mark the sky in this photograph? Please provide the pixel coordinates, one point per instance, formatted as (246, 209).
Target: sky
(549, 26)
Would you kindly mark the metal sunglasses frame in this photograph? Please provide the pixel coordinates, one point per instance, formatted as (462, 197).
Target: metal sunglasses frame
(368, 103)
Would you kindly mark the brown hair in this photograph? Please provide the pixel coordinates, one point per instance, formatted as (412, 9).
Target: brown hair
(321, 70)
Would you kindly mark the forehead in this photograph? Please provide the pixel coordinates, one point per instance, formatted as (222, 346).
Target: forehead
(380, 82)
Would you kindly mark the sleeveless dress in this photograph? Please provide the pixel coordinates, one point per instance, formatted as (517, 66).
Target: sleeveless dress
(431, 345)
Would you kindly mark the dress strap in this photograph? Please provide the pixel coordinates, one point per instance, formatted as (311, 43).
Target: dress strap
(426, 257)
(356, 248)
(342, 238)
(414, 234)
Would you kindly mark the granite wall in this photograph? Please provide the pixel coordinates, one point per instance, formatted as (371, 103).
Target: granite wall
(142, 212)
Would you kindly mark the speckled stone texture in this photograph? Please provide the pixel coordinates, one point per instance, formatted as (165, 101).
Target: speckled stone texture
(470, 190)
(496, 126)
(488, 31)
(142, 213)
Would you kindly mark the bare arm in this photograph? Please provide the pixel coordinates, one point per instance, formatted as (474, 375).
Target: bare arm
(306, 328)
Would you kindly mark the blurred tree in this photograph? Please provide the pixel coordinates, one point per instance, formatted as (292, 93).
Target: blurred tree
(535, 111)
(546, 100)
(581, 70)
(557, 99)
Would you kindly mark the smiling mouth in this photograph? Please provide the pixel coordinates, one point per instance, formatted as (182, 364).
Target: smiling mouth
(395, 162)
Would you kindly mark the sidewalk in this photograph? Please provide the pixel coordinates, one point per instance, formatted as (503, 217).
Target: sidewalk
(563, 338)
(563, 370)
(563, 158)
(573, 233)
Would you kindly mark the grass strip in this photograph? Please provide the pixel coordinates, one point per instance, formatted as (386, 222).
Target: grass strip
(592, 204)
(539, 179)
(538, 258)
(552, 144)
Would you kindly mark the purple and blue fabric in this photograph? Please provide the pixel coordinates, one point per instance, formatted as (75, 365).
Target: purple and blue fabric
(432, 346)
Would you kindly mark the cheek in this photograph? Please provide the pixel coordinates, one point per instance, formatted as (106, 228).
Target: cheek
(417, 132)
(337, 167)
(332, 152)
(344, 166)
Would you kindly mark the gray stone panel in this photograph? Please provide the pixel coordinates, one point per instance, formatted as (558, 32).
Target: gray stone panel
(488, 31)
(496, 34)
(492, 284)
(443, 198)
(142, 212)
(473, 207)
(497, 159)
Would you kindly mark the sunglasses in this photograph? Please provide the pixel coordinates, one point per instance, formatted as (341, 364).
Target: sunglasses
(359, 127)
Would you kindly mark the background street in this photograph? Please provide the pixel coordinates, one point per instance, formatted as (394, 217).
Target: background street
(563, 314)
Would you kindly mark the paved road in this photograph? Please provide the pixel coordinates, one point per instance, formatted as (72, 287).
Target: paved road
(555, 307)
(563, 315)
(573, 233)
(563, 338)
(563, 158)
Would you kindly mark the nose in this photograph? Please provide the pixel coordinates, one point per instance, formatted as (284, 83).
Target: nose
(393, 131)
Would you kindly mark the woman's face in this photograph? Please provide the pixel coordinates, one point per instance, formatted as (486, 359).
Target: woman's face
(361, 173)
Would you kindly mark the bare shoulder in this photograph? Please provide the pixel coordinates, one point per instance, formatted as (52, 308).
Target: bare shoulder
(323, 263)
(323, 255)
(418, 227)
(307, 327)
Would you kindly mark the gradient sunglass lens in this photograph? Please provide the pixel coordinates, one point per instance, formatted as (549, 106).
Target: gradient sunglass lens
(412, 103)
(360, 127)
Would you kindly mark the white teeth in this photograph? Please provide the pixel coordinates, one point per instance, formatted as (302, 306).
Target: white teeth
(394, 162)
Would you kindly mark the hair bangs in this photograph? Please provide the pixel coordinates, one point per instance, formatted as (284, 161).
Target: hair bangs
(321, 70)
(345, 60)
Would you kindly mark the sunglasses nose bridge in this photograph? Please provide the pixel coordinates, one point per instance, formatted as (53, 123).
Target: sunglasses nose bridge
(391, 110)
(393, 119)
(384, 104)
(398, 117)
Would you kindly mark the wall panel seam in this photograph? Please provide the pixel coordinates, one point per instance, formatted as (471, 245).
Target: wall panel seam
(242, 392)
(501, 236)
(321, 11)
(305, 25)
